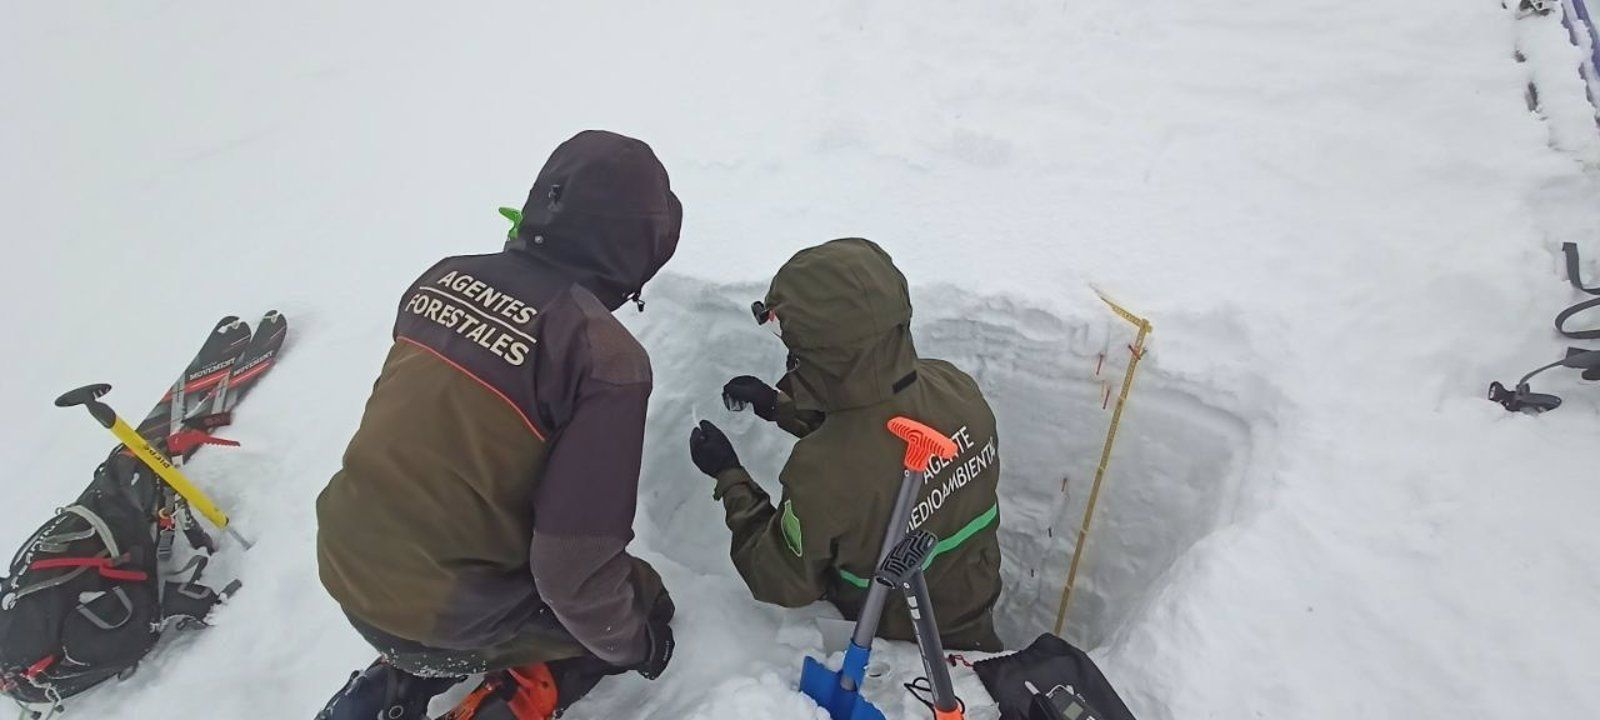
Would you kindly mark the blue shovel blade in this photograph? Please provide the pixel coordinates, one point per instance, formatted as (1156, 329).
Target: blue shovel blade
(864, 710)
(823, 686)
(818, 682)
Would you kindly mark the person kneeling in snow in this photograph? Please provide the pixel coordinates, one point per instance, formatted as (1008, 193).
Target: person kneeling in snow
(480, 521)
(844, 312)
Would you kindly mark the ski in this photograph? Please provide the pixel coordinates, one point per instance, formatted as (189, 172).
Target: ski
(229, 363)
(215, 409)
(211, 364)
(257, 358)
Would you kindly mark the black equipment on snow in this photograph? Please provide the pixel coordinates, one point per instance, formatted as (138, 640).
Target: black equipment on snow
(1522, 398)
(1050, 680)
(93, 589)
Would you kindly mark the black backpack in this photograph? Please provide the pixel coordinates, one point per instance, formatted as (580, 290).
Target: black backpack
(1050, 680)
(91, 591)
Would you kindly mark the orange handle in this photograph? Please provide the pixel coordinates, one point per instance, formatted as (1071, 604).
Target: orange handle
(923, 443)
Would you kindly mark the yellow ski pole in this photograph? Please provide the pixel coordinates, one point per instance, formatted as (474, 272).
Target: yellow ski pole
(89, 397)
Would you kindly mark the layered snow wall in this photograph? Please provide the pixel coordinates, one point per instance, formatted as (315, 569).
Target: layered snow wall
(1175, 475)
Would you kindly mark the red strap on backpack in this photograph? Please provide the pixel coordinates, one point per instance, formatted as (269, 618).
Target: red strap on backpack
(106, 567)
(37, 668)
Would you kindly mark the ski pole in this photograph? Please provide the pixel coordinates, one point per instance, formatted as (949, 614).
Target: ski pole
(89, 397)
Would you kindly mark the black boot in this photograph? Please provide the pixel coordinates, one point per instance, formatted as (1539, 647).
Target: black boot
(385, 691)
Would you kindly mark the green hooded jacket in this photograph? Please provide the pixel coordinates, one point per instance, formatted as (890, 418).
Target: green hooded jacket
(844, 312)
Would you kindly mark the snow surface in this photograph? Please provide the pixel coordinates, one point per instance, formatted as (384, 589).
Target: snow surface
(1341, 217)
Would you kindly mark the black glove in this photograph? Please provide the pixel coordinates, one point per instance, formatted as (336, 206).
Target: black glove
(710, 449)
(658, 649)
(746, 390)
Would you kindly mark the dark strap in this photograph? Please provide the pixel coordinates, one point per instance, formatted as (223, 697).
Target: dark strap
(1571, 251)
(102, 623)
(1565, 315)
(187, 598)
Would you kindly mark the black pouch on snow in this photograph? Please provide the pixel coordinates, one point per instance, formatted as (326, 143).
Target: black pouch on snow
(1050, 680)
(88, 595)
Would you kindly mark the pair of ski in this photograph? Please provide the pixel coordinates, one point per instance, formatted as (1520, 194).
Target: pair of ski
(230, 362)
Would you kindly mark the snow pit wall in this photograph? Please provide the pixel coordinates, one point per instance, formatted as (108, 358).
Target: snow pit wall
(1175, 476)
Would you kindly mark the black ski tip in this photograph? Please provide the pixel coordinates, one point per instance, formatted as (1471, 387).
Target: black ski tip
(83, 395)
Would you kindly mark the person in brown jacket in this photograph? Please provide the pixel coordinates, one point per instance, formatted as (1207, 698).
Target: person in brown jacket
(481, 518)
(844, 313)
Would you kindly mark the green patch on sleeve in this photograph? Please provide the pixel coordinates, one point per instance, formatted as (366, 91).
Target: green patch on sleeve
(791, 529)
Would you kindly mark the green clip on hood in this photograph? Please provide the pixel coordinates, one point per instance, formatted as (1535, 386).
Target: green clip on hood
(845, 314)
(601, 211)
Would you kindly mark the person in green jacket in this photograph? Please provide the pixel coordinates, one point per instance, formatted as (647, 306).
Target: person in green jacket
(844, 312)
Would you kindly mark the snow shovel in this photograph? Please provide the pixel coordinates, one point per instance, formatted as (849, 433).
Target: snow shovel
(839, 693)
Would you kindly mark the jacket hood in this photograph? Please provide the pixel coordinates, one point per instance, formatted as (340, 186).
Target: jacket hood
(602, 211)
(844, 312)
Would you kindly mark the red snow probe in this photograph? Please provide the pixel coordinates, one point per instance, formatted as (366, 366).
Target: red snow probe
(839, 693)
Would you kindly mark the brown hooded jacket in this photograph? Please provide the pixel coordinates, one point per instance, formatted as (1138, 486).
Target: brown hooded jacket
(486, 501)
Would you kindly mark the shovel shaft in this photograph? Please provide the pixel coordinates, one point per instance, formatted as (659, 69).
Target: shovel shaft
(878, 594)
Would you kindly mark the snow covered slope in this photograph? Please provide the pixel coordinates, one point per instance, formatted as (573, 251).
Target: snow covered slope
(1340, 216)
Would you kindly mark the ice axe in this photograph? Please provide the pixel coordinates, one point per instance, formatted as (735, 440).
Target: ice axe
(839, 693)
(89, 397)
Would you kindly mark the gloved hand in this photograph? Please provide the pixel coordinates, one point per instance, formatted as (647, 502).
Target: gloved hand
(746, 390)
(710, 449)
(658, 649)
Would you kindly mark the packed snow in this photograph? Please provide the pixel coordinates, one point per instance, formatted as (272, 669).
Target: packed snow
(1342, 218)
